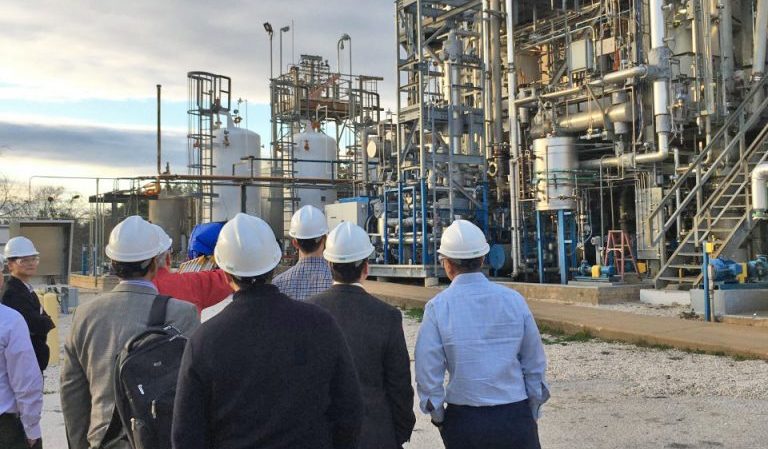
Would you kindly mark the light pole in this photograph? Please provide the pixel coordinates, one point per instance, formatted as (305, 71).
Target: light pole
(268, 29)
(339, 47)
(284, 29)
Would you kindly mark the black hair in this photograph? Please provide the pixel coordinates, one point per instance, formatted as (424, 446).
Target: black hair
(245, 283)
(347, 273)
(467, 265)
(132, 270)
(310, 245)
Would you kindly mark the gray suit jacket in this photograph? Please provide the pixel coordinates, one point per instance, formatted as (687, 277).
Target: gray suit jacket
(100, 329)
(374, 332)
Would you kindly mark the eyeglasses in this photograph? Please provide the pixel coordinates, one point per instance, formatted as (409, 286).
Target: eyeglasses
(27, 260)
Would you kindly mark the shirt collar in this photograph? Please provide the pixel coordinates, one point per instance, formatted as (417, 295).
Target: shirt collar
(356, 284)
(312, 259)
(261, 291)
(469, 278)
(139, 283)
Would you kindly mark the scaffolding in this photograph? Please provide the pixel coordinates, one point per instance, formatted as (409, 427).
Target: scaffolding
(209, 96)
(440, 141)
(310, 92)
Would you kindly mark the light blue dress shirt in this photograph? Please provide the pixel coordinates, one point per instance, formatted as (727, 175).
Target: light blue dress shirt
(484, 335)
(21, 382)
(140, 283)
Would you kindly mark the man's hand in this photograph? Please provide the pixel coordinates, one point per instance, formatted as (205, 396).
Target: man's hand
(33, 443)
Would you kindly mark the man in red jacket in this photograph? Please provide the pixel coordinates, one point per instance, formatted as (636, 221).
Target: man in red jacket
(203, 289)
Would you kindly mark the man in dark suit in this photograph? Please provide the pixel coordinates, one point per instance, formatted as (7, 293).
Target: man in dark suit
(267, 372)
(23, 259)
(374, 332)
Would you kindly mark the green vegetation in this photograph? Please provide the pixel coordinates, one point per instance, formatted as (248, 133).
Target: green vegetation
(561, 338)
(415, 314)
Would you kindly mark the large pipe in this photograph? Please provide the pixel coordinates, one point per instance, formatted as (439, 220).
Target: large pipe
(660, 85)
(453, 50)
(660, 103)
(726, 48)
(758, 49)
(619, 76)
(760, 40)
(759, 191)
(594, 119)
(628, 159)
(496, 73)
(514, 149)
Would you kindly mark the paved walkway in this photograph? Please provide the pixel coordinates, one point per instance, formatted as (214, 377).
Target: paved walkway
(735, 340)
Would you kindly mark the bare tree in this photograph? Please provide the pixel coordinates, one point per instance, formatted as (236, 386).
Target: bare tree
(52, 202)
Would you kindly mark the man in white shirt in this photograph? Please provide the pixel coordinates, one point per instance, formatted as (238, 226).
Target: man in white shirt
(21, 383)
(485, 336)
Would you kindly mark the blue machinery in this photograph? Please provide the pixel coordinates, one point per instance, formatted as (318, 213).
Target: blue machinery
(565, 242)
(725, 274)
(413, 229)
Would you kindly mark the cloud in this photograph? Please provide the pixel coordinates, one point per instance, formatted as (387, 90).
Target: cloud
(61, 50)
(23, 145)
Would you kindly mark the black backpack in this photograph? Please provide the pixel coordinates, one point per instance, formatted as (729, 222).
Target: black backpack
(146, 372)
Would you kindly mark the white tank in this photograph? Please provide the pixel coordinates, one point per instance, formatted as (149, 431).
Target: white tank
(229, 146)
(555, 168)
(316, 146)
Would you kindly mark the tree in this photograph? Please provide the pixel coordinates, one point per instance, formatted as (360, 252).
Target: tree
(44, 202)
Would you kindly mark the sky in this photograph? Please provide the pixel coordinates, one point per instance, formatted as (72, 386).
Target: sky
(77, 78)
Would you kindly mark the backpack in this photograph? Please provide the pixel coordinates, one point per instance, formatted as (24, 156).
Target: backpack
(146, 372)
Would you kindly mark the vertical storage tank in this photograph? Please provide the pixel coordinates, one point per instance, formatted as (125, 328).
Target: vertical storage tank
(230, 145)
(170, 213)
(315, 152)
(555, 168)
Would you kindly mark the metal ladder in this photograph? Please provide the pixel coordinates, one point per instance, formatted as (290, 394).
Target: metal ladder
(724, 215)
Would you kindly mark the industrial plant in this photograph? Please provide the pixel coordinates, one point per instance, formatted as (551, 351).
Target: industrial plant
(598, 145)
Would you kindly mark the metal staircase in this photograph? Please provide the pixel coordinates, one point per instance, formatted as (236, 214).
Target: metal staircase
(714, 191)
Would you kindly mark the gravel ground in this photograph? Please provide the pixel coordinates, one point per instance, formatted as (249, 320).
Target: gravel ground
(640, 308)
(604, 396)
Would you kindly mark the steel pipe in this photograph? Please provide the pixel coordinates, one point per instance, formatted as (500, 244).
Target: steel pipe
(628, 159)
(514, 150)
(640, 71)
(759, 190)
(760, 40)
(583, 121)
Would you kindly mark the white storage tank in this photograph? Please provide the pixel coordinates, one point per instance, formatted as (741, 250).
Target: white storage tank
(230, 145)
(317, 150)
(555, 168)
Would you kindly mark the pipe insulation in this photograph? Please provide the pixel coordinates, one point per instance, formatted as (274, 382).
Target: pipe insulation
(760, 40)
(583, 121)
(759, 190)
(658, 59)
(514, 150)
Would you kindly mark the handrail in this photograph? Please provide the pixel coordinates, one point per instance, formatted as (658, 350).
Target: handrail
(738, 194)
(759, 140)
(730, 121)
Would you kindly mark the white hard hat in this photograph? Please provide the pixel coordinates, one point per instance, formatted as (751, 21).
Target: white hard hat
(134, 240)
(247, 247)
(165, 240)
(20, 247)
(308, 223)
(463, 240)
(347, 242)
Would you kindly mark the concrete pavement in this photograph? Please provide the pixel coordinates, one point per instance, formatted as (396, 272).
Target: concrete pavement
(693, 335)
